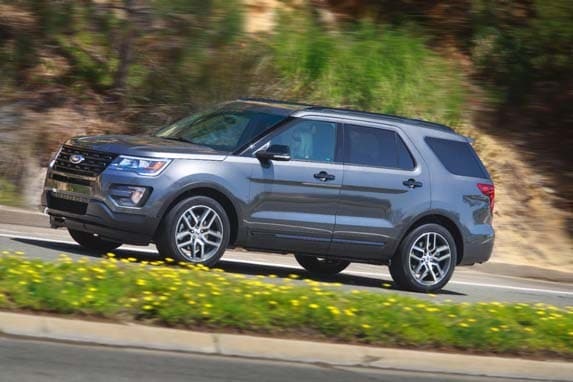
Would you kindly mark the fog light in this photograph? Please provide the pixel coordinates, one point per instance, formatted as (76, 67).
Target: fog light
(137, 194)
(129, 196)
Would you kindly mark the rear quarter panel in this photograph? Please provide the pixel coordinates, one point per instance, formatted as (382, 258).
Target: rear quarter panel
(458, 198)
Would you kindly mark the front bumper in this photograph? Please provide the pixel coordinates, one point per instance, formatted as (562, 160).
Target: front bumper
(84, 204)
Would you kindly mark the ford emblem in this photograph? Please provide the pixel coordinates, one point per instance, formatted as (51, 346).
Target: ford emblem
(77, 158)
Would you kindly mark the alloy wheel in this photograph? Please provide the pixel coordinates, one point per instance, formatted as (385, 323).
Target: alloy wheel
(199, 233)
(430, 258)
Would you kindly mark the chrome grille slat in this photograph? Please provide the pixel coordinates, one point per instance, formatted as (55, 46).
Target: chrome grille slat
(93, 165)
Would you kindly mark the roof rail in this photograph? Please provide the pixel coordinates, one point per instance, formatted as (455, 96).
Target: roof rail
(435, 125)
(309, 107)
(270, 100)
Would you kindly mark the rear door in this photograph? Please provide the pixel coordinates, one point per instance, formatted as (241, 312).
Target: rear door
(293, 203)
(385, 185)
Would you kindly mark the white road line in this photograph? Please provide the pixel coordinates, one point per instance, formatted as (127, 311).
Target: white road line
(21, 211)
(269, 264)
(486, 285)
(534, 290)
(381, 274)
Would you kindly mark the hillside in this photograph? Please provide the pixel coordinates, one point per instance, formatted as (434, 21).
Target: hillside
(499, 73)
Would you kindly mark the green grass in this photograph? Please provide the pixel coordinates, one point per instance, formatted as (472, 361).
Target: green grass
(369, 67)
(195, 297)
(8, 194)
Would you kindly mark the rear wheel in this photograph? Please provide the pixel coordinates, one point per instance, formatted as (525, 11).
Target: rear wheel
(425, 260)
(196, 230)
(93, 242)
(321, 265)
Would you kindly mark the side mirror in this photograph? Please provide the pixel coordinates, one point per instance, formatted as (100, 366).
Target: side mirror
(274, 152)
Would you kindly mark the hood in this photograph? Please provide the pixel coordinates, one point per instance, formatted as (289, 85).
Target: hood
(145, 145)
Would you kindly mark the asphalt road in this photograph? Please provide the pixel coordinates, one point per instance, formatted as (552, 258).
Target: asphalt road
(37, 361)
(468, 284)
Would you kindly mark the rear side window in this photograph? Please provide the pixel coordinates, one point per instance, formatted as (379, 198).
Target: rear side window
(459, 158)
(370, 146)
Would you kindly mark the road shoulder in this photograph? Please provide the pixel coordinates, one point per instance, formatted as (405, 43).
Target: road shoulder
(26, 219)
(156, 338)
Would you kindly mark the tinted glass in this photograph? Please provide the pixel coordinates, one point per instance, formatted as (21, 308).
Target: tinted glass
(224, 130)
(405, 160)
(309, 140)
(457, 157)
(376, 147)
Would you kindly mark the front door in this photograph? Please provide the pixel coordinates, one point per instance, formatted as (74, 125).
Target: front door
(385, 186)
(293, 203)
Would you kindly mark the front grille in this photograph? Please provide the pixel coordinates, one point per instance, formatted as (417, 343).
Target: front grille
(93, 164)
(66, 205)
(67, 179)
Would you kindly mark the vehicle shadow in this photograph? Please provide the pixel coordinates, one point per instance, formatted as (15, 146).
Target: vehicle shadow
(75, 249)
(234, 266)
(342, 278)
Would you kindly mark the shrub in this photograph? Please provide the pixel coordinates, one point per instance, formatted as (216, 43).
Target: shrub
(8, 193)
(195, 296)
(375, 68)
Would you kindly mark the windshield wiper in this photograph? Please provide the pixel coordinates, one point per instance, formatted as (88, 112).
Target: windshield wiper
(179, 139)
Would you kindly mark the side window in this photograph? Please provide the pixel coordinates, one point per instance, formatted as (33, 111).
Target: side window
(459, 158)
(372, 146)
(309, 140)
(405, 160)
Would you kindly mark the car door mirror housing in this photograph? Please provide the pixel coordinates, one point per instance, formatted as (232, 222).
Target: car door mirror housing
(274, 152)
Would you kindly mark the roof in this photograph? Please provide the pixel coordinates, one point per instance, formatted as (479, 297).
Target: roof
(348, 113)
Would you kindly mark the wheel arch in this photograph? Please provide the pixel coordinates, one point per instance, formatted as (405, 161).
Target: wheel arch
(444, 221)
(212, 191)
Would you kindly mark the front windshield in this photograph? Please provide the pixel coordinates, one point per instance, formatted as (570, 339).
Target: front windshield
(222, 130)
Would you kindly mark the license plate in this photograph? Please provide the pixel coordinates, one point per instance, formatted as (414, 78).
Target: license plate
(69, 196)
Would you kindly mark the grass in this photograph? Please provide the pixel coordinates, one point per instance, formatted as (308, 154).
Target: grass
(8, 194)
(366, 66)
(188, 296)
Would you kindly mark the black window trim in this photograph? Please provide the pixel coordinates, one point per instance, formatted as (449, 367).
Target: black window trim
(258, 143)
(397, 135)
(248, 146)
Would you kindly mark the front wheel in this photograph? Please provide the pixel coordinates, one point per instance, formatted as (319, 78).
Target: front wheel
(196, 230)
(93, 242)
(321, 265)
(425, 260)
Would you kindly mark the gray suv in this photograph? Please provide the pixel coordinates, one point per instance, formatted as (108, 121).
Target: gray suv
(332, 186)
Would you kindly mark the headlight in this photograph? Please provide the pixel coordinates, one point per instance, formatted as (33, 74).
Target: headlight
(141, 166)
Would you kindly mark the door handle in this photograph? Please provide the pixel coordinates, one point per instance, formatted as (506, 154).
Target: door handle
(412, 183)
(324, 176)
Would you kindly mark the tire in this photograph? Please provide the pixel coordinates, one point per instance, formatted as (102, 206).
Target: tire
(320, 265)
(183, 225)
(93, 242)
(434, 268)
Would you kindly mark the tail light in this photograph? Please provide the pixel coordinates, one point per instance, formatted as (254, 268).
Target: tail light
(489, 191)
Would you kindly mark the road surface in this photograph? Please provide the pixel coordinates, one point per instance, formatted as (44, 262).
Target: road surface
(32, 237)
(38, 361)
